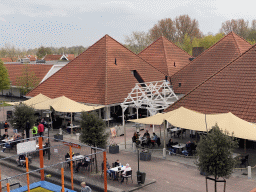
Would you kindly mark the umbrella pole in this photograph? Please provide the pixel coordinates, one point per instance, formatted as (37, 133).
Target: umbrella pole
(153, 128)
(164, 149)
(71, 124)
(245, 146)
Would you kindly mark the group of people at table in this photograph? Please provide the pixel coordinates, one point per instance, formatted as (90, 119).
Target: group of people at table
(146, 140)
(117, 168)
(174, 146)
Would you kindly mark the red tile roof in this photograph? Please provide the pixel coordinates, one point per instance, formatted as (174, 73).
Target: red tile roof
(165, 56)
(209, 62)
(70, 56)
(93, 77)
(32, 57)
(231, 89)
(52, 57)
(16, 70)
(8, 59)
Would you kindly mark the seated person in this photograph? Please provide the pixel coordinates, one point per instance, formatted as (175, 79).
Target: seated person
(19, 162)
(46, 145)
(7, 145)
(127, 168)
(117, 163)
(146, 134)
(170, 143)
(68, 156)
(85, 162)
(110, 172)
(188, 149)
(68, 129)
(146, 142)
(5, 135)
(135, 137)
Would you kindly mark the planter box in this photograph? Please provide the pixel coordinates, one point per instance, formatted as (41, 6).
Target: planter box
(60, 137)
(145, 156)
(114, 149)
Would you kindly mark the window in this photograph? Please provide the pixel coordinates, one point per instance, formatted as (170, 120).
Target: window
(179, 84)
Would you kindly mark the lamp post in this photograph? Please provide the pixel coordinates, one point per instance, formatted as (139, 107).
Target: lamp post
(11, 89)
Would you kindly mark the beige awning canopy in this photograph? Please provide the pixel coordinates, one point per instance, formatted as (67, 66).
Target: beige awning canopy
(181, 117)
(64, 104)
(30, 102)
(189, 119)
(186, 118)
(231, 123)
(153, 120)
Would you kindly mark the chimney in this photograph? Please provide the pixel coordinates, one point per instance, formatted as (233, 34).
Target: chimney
(197, 51)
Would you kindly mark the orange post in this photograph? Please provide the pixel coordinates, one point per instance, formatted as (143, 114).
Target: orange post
(62, 180)
(8, 187)
(71, 167)
(41, 157)
(27, 174)
(105, 171)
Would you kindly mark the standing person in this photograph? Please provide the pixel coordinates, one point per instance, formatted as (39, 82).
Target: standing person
(34, 131)
(40, 129)
(27, 129)
(85, 188)
(6, 126)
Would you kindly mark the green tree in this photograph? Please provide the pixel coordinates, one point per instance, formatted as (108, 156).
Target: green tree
(187, 45)
(27, 81)
(23, 113)
(214, 153)
(4, 77)
(43, 51)
(93, 131)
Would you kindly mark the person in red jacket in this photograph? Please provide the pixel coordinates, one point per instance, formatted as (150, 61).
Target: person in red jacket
(40, 129)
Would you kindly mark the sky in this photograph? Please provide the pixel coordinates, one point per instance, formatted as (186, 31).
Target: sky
(57, 23)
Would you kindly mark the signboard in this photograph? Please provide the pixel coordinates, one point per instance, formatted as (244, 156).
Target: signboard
(26, 147)
(72, 145)
(113, 131)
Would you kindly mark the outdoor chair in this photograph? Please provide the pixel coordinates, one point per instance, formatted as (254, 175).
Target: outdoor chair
(244, 160)
(128, 175)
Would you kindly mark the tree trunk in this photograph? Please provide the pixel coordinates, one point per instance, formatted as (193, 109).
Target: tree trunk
(91, 164)
(96, 161)
(215, 184)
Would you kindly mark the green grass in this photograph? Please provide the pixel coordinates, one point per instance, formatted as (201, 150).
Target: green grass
(3, 104)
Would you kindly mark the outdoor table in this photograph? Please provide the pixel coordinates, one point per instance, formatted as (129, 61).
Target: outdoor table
(179, 146)
(76, 158)
(174, 130)
(72, 128)
(117, 171)
(5, 140)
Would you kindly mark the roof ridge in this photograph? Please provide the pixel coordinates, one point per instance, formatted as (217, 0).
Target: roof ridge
(106, 78)
(237, 36)
(176, 45)
(214, 74)
(199, 56)
(236, 42)
(165, 56)
(135, 54)
(149, 45)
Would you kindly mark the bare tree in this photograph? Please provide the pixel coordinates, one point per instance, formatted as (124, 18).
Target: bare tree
(137, 41)
(11, 51)
(185, 25)
(239, 26)
(164, 27)
(253, 27)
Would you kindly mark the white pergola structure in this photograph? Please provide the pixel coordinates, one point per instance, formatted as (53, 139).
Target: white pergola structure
(153, 96)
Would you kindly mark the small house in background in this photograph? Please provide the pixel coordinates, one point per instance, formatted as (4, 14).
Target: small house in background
(64, 57)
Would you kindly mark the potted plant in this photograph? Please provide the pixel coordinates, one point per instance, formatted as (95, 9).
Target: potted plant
(58, 137)
(145, 155)
(113, 148)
